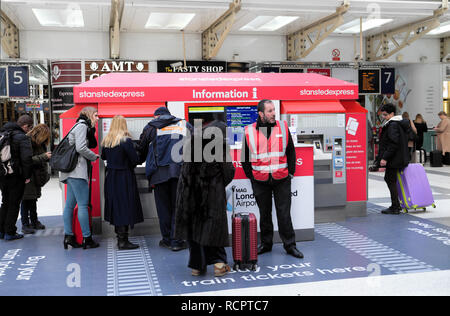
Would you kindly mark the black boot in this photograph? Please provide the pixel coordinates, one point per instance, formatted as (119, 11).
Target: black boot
(88, 242)
(70, 240)
(122, 239)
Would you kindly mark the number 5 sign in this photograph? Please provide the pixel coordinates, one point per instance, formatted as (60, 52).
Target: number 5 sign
(18, 81)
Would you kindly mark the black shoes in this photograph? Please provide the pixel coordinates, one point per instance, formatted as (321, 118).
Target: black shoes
(392, 211)
(293, 251)
(37, 225)
(16, 236)
(89, 243)
(122, 239)
(263, 249)
(70, 240)
(180, 246)
(27, 229)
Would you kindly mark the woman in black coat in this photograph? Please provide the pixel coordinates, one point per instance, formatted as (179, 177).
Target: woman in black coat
(122, 203)
(40, 138)
(201, 216)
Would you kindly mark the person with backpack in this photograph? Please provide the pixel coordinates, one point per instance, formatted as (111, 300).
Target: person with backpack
(393, 153)
(16, 173)
(155, 146)
(40, 138)
(122, 203)
(77, 180)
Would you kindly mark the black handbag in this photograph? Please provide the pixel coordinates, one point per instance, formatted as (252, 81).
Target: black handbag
(65, 156)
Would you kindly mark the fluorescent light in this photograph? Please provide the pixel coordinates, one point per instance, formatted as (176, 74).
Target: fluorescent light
(443, 28)
(71, 17)
(354, 26)
(177, 21)
(268, 23)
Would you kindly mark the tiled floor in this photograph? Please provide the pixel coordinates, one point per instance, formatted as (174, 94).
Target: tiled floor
(408, 254)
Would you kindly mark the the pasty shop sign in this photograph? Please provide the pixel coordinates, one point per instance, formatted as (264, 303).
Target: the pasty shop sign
(97, 68)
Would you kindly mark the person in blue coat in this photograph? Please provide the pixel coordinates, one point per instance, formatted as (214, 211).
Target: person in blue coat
(160, 146)
(122, 203)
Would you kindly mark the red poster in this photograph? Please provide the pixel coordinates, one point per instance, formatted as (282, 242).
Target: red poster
(320, 71)
(356, 133)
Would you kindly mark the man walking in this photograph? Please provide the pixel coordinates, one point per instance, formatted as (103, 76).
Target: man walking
(155, 147)
(268, 159)
(12, 184)
(394, 152)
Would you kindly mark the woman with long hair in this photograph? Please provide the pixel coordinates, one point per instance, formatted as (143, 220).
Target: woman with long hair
(122, 203)
(40, 138)
(421, 126)
(83, 136)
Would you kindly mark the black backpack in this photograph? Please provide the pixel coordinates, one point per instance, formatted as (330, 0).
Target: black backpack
(65, 156)
(5, 154)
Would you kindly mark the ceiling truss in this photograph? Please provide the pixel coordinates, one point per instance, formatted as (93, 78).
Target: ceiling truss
(114, 28)
(302, 42)
(214, 36)
(386, 44)
(10, 36)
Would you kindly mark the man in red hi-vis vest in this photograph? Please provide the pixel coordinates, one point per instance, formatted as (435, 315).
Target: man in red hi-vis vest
(268, 159)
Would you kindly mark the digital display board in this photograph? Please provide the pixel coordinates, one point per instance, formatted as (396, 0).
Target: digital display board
(369, 81)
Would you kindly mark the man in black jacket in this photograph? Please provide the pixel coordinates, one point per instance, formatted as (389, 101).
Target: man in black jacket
(394, 152)
(279, 186)
(13, 185)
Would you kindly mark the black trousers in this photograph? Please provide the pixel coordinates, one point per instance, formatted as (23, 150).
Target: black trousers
(12, 192)
(202, 256)
(390, 177)
(28, 212)
(281, 191)
(165, 200)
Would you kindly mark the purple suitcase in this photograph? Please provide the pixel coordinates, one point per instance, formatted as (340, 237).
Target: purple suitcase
(414, 190)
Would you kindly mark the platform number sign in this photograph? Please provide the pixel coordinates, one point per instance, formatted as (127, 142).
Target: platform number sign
(18, 81)
(3, 82)
(388, 81)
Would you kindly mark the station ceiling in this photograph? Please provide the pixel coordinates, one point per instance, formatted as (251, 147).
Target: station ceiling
(136, 13)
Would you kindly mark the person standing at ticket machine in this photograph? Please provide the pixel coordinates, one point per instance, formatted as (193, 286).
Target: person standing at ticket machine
(269, 159)
(155, 147)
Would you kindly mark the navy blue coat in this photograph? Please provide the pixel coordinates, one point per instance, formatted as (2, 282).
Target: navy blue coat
(122, 202)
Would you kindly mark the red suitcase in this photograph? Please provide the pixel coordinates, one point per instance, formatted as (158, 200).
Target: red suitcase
(76, 227)
(245, 239)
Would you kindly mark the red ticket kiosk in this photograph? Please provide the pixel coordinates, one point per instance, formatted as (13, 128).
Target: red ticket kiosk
(232, 98)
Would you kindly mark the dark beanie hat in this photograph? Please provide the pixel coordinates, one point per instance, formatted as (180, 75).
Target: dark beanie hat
(162, 111)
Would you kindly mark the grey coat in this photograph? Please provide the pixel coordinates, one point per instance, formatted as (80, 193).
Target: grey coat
(78, 136)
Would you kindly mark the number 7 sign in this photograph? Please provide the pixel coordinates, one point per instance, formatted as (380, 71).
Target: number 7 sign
(388, 81)
(18, 81)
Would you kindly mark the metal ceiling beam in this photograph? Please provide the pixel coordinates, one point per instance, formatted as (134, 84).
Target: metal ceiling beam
(302, 42)
(386, 44)
(445, 49)
(115, 21)
(10, 36)
(214, 36)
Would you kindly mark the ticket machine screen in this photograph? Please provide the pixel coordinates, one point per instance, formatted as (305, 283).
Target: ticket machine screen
(235, 117)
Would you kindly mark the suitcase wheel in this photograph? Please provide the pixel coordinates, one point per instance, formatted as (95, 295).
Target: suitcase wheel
(424, 209)
(405, 210)
(235, 267)
(433, 205)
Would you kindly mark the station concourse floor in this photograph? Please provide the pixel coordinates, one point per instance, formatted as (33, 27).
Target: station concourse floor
(407, 254)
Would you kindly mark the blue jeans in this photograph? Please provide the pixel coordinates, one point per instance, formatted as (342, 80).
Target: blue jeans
(77, 193)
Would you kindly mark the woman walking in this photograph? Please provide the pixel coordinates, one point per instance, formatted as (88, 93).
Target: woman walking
(201, 216)
(40, 138)
(122, 203)
(78, 179)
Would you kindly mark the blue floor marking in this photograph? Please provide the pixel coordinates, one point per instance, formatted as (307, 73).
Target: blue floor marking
(350, 249)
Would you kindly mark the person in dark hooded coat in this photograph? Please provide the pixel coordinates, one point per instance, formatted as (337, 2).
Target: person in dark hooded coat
(155, 147)
(394, 153)
(201, 216)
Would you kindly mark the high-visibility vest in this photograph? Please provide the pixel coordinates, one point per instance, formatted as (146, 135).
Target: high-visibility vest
(268, 155)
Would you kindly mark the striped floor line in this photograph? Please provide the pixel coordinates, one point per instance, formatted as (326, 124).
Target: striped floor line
(131, 272)
(54, 231)
(384, 256)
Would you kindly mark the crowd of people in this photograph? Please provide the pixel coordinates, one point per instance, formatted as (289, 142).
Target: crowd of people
(189, 191)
